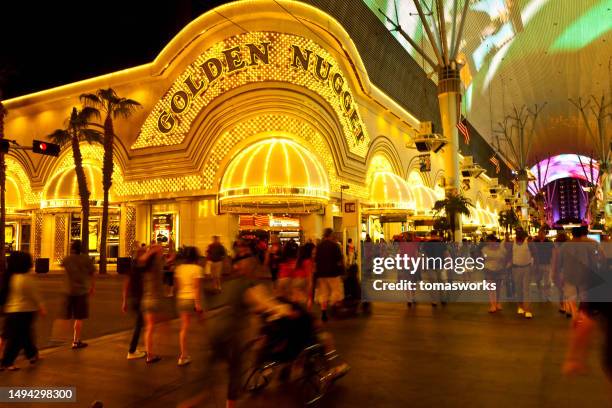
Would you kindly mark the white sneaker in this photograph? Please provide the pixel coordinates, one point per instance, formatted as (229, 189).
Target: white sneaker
(183, 361)
(520, 311)
(528, 315)
(136, 355)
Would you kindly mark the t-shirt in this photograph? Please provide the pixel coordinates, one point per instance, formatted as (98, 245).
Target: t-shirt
(216, 252)
(577, 261)
(286, 268)
(328, 259)
(521, 255)
(543, 250)
(185, 275)
(79, 270)
(23, 294)
(495, 257)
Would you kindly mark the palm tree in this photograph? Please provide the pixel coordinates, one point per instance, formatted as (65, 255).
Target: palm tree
(508, 219)
(77, 130)
(112, 106)
(3, 113)
(453, 206)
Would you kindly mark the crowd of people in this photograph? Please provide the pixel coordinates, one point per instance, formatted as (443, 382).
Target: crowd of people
(260, 276)
(277, 278)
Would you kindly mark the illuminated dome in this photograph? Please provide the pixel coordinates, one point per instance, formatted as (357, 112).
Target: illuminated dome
(274, 173)
(63, 191)
(389, 193)
(481, 217)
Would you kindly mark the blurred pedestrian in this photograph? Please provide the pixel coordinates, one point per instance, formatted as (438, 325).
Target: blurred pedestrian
(80, 285)
(132, 298)
(435, 250)
(351, 252)
(168, 268)
(543, 250)
(328, 273)
(187, 277)
(522, 262)
(21, 304)
(557, 275)
(576, 260)
(286, 268)
(152, 293)
(273, 257)
(215, 257)
(495, 263)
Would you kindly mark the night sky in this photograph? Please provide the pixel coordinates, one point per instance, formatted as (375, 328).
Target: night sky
(50, 43)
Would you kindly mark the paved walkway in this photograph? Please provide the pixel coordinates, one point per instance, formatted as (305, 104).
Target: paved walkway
(451, 357)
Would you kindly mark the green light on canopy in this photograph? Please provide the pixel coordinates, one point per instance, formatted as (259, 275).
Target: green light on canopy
(592, 25)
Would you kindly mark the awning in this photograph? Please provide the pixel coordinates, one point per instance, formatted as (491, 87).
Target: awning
(425, 198)
(389, 194)
(274, 173)
(63, 191)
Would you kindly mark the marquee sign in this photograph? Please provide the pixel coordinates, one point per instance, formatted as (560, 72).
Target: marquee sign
(249, 58)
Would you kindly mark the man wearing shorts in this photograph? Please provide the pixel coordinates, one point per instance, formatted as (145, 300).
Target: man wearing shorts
(328, 275)
(79, 286)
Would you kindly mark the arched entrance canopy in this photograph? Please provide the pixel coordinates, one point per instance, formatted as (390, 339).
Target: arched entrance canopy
(274, 174)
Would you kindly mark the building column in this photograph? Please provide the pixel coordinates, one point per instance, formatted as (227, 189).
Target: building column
(143, 223)
(187, 223)
(127, 230)
(449, 98)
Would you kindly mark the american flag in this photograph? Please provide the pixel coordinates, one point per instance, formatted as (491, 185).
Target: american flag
(463, 129)
(495, 161)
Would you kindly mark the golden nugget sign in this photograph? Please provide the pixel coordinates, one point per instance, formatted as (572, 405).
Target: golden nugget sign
(250, 58)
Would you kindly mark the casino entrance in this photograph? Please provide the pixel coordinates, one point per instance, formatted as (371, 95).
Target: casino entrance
(278, 188)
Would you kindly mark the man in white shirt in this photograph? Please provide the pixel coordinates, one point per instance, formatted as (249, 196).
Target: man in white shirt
(522, 261)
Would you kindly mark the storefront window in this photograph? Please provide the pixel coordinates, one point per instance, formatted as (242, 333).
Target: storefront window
(9, 236)
(24, 242)
(94, 230)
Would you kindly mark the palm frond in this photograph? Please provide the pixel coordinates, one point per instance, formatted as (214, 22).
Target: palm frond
(88, 113)
(125, 108)
(108, 95)
(90, 99)
(59, 136)
(92, 136)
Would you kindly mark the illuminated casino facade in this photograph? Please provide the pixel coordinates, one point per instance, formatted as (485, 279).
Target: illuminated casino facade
(277, 128)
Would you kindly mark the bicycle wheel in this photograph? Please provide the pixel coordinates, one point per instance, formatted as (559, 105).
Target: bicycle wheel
(256, 374)
(315, 381)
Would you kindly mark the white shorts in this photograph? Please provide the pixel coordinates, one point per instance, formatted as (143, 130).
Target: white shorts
(329, 290)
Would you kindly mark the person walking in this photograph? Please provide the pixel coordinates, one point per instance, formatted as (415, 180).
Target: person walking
(351, 252)
(152, 293)
(522, 261)
(80, 285)
(286, 268)
(576, 260)
(303, 275)
(215, 257)
(273, 257)
(329, 270)
(22, 302)
(496, 260)
(543, 252)
(435, 250)
(188, 275)
(168, 269)
(557, 275)
(132, 298)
